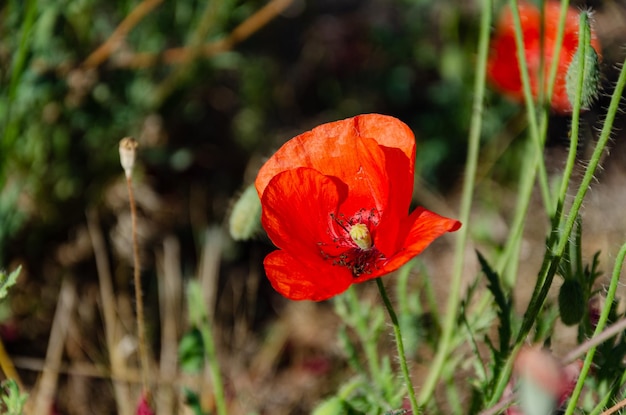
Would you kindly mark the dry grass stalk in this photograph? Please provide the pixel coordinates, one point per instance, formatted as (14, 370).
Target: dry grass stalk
(47, 383)
(170, 298)
(108, 304)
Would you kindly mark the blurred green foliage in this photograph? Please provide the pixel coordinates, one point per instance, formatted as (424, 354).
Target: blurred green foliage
(200, 121)
(13, 400)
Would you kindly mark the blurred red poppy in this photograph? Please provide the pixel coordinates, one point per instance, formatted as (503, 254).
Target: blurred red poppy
(540, 368)
(503, 68)
(144, 408)
(335, 202)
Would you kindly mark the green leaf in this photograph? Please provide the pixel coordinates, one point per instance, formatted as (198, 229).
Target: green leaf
(191, 351)
(503, 303)
(13, 399)
(192, 400)
(7, 281)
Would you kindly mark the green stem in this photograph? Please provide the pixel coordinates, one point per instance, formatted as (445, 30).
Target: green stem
(400, 346)
(211, 356)
(466, 204)
(553, 256)
(369, 342)
(530, 101)
(608, 304)
(583, 44)
(527, 181)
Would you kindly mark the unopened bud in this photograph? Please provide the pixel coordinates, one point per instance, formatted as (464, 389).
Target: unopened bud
(572, 302)
(586, 60)
(245, 218)
(128, 153)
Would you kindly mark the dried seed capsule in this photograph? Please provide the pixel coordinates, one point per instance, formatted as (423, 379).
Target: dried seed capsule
(128, 153)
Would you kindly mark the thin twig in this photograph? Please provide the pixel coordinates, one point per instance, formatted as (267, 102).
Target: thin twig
(615, 408)
(101, 54)
(181, 54)
(611, 331)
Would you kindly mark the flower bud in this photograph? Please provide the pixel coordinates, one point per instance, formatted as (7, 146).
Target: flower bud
(571, 302)
(586, 60)
(245, 217)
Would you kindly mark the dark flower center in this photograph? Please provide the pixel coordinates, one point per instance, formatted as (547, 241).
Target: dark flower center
(353, 245)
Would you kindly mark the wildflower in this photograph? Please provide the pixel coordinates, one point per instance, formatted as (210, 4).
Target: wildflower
(335, 201)
(144, 407)
(503, 67)
(544, 384)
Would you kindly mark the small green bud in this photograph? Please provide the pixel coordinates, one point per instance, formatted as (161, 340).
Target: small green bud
(571, 302)
(245, 218)
(585, 59)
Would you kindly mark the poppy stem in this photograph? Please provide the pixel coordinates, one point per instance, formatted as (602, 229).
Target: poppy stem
(452, 307)
(400, 346)
(141, 325)
(531, 109)
(604, 316)
(562, 231)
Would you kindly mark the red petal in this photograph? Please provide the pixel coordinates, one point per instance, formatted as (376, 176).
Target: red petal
(364, 170)
(502, 68)
(297, 208)
(299, 281)
(328, 147)
(399, 200)
(422, 227)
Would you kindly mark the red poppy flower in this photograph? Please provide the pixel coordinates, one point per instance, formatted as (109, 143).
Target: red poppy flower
(335, 202)
(503, 67)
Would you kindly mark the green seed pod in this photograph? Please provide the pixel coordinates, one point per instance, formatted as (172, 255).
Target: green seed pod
(245, 218)
(585, 59)
(571, 302)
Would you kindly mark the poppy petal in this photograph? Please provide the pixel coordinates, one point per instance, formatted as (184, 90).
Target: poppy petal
(503, 66)
(297, 210)
(363, 170)
(326, 147)
(422, 228)
(400, 177)
(298, 281)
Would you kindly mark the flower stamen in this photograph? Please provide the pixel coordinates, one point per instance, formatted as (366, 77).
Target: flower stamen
(361, 236)
(354, 247)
